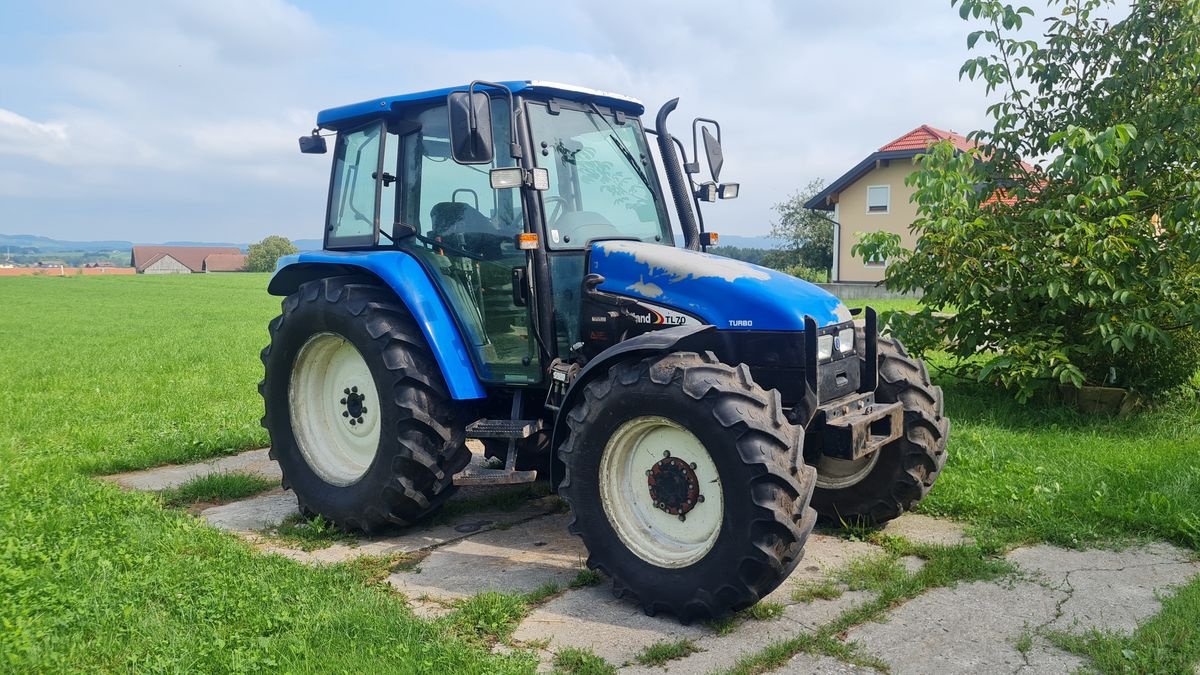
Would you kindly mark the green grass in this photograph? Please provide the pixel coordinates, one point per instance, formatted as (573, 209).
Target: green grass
(890, 304)
(822, 589)
(586, 578)
(307, 534)
(488, 617)
(660, 653)
(216, 488)
(1168, 642)
(107, 374)
(581, 662)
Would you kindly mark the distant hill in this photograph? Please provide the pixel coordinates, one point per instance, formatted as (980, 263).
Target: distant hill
(48, 245)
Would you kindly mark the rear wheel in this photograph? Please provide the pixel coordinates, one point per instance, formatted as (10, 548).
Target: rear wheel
(683, 482)
(880, 486)
(360, 419)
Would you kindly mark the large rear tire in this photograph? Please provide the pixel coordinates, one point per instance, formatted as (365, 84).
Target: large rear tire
(879, 487)
(686, 483)
(361, 422)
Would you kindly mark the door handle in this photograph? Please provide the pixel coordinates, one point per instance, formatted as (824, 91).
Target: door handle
(518, 286)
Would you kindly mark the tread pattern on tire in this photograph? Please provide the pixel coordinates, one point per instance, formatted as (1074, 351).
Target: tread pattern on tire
(430, 446)
(922, 448)
(766, 442)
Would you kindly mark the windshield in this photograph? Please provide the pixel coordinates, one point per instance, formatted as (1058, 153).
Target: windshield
(601, 181)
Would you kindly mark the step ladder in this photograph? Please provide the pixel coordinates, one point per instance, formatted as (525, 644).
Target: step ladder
(512, 429)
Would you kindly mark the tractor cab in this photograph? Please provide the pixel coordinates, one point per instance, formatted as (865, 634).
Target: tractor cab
(499, 190)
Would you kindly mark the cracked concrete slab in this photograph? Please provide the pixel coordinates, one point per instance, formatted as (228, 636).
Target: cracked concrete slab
(969, 628)
(254, 462)
(1109, 590)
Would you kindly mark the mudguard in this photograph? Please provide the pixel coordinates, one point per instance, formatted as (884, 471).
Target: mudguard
(665, 340)
(411, 283)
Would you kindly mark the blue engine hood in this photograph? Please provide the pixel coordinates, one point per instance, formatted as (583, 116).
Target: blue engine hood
(729, 294)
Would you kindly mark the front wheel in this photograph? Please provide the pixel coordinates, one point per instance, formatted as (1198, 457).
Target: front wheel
(880, 486)
(683, 482)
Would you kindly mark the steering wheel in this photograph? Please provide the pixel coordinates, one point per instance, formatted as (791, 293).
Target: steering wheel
(560, 205)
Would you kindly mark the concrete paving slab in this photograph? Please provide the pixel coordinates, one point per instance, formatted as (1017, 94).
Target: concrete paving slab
(808, 664)
(253, 514)
(254, 462)
(402, 540)
(722, 652)
(1109, 590)
(922, 529)
(969, 628)
(516, 559)
(823, 554)
(591, 618)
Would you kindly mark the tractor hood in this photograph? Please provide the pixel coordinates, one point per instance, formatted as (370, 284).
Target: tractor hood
(726, 293)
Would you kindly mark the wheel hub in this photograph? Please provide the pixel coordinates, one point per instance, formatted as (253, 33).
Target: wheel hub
(353, 402)
(673, 485)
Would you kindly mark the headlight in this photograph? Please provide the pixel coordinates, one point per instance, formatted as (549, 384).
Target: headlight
(845, 340)
(824, 347)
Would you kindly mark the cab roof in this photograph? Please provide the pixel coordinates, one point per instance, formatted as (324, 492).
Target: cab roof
(343, 116)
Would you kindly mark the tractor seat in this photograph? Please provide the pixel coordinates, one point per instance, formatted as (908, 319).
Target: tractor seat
(464, 226)
(459, 218)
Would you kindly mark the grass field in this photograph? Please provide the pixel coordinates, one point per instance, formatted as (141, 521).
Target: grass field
(110, 374)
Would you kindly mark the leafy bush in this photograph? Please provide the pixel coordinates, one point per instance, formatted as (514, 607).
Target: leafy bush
(1089, 261)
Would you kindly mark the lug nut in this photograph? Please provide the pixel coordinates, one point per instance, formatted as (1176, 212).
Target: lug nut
(345, 413)
(354, 389)
(343, 401)
(700, 498)
(693, 466)
(666, 453)
(345, 391)
(682, 517)
(351, 422)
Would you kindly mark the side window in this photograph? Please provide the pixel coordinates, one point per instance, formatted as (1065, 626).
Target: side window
(878, 197)
(353, 202)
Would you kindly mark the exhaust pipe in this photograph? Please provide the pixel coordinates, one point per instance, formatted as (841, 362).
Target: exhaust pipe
(675, 178)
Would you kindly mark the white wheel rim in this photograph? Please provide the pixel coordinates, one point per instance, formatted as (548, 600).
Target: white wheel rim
(334, 408)
(654, 535)
(838, 474)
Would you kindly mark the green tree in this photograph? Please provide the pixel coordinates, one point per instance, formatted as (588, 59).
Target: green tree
(263, 255)
(1083, 268)
(807, 234)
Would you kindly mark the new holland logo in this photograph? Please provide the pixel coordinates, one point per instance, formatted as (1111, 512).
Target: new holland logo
(660, 316)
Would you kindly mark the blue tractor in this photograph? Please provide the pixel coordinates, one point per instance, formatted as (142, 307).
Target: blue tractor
(499, 264)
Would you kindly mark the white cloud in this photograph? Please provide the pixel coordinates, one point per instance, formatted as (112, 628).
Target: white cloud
(23, 137)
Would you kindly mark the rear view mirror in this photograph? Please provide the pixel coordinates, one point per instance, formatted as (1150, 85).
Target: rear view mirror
(313, 144)
(712, 149)
(470, 127)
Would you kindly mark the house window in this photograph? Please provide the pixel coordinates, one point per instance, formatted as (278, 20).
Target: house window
(878, 198)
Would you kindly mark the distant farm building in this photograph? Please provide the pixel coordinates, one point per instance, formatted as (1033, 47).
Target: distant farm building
(187, 259)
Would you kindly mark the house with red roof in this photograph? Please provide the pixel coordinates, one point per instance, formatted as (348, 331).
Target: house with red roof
(872, 197)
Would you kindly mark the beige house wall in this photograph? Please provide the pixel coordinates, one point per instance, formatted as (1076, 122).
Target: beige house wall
(854, 219)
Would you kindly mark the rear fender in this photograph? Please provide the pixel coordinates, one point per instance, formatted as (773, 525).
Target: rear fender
(410, 282)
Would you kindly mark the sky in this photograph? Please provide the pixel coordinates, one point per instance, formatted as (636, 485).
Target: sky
(178, 119)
